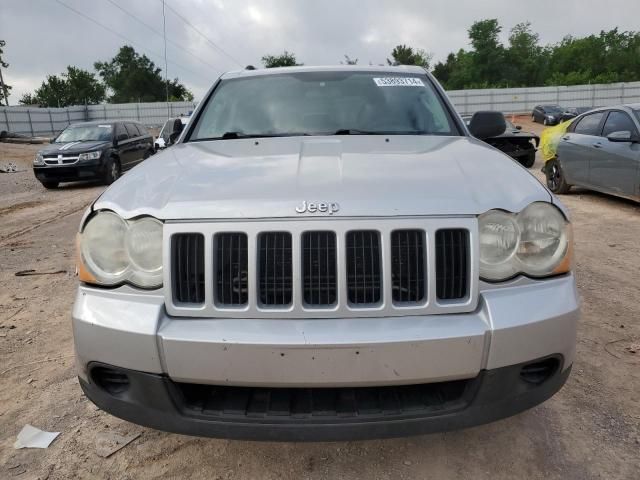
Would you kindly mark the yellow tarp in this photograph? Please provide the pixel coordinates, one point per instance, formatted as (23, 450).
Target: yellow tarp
(550, 138)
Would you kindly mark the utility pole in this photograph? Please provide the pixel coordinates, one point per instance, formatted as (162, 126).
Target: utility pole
(166, 76)
(2, 84)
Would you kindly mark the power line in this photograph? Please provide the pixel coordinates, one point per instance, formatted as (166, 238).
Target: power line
(77, 12)
(211, 42)
(166, 69)
(216, 69)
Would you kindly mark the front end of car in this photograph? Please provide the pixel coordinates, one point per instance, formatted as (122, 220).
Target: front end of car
(325, 329)
(54, 165)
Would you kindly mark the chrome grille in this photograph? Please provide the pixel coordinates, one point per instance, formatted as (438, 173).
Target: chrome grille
(321, 268)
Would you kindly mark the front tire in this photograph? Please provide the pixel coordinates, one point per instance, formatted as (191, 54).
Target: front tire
(112, 171)
(556, 182)
(545, 122)
(50, 185)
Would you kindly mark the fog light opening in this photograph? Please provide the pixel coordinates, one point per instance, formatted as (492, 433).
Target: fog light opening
(110, 380)
(537, 372)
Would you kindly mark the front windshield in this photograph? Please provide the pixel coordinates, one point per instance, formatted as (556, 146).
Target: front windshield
(324, 103)
(85, 133)
(552, 109)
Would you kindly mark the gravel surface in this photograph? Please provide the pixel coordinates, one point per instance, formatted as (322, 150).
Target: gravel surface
(589, 430)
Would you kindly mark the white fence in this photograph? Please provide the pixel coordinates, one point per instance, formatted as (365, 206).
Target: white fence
(522, 100)
(47, 121)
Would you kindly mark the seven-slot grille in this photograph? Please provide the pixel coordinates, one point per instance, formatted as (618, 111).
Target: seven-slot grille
(373, 270)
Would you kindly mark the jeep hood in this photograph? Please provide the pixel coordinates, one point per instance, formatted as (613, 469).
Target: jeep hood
(366, 175)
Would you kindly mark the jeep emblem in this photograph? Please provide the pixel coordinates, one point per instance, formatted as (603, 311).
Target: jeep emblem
(320, 207)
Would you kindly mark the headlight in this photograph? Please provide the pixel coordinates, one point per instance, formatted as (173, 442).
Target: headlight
(38, 161)
(90, 155)
(535, 242)
(114, 251)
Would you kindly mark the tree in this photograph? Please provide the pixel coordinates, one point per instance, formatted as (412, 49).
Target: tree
(4, 88)
(131, 77)
(73, 87)
(404, 55)
(349, 61)
(488, 53)
(285, 59)
(525, 58)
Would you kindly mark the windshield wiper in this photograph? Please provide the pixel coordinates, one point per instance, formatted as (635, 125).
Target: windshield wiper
(236, 135)
(355, 131)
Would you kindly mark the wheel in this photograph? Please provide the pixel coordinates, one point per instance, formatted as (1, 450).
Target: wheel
(112, 171)
(555, 177)
(529, 160)
(545, 122)
(50, 185)
(147, 154)
(533, 118)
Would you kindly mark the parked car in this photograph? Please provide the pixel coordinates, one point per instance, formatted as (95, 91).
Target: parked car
(519, 145)
(600, 151)
(170, 132)
(573, 112)
(92, 150)
(326, 253)
(547, 114)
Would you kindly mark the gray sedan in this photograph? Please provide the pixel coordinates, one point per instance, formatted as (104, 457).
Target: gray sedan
(600, 151)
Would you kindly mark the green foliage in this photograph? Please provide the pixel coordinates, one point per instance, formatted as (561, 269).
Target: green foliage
(132, 77)
(404, 55)
(611, 56)
(285, 59)
(73, 87)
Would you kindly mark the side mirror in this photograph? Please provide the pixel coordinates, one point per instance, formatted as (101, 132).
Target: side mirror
(487, 124)
(621, 136)
(173, 138)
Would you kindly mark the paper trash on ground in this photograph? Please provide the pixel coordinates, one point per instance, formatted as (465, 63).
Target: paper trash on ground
(32, 437)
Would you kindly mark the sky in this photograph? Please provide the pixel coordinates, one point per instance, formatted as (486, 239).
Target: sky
(43, 36)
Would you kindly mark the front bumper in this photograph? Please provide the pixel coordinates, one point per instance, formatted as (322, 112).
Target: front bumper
(86, 170)
(324, 415)
(512, 326)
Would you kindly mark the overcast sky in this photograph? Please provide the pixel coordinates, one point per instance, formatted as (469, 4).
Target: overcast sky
(43, 37)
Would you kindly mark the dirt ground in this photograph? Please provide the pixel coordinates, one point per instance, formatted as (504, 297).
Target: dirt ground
(589, 430)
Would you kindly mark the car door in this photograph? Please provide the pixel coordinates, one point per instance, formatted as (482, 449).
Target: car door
(146, 140)
(124, 146)
(578, 146)
(135, 153)
(537, 114)
(615, 168)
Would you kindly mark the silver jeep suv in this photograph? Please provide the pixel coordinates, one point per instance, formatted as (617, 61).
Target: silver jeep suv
(326, 253)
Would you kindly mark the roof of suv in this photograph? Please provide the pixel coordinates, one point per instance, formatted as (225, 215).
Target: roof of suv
(330, 68)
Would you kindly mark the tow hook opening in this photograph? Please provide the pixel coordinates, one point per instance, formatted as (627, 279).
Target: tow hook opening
(538, 372)
(112, 381)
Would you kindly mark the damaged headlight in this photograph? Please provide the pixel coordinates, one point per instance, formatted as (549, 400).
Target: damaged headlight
(114, 251)
(535, 242)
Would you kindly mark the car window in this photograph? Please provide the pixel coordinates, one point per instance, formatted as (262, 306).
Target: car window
(142, 130)
(589, 124)
(618, 122)
(131, 130)
(323, 103)
(120, 130)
